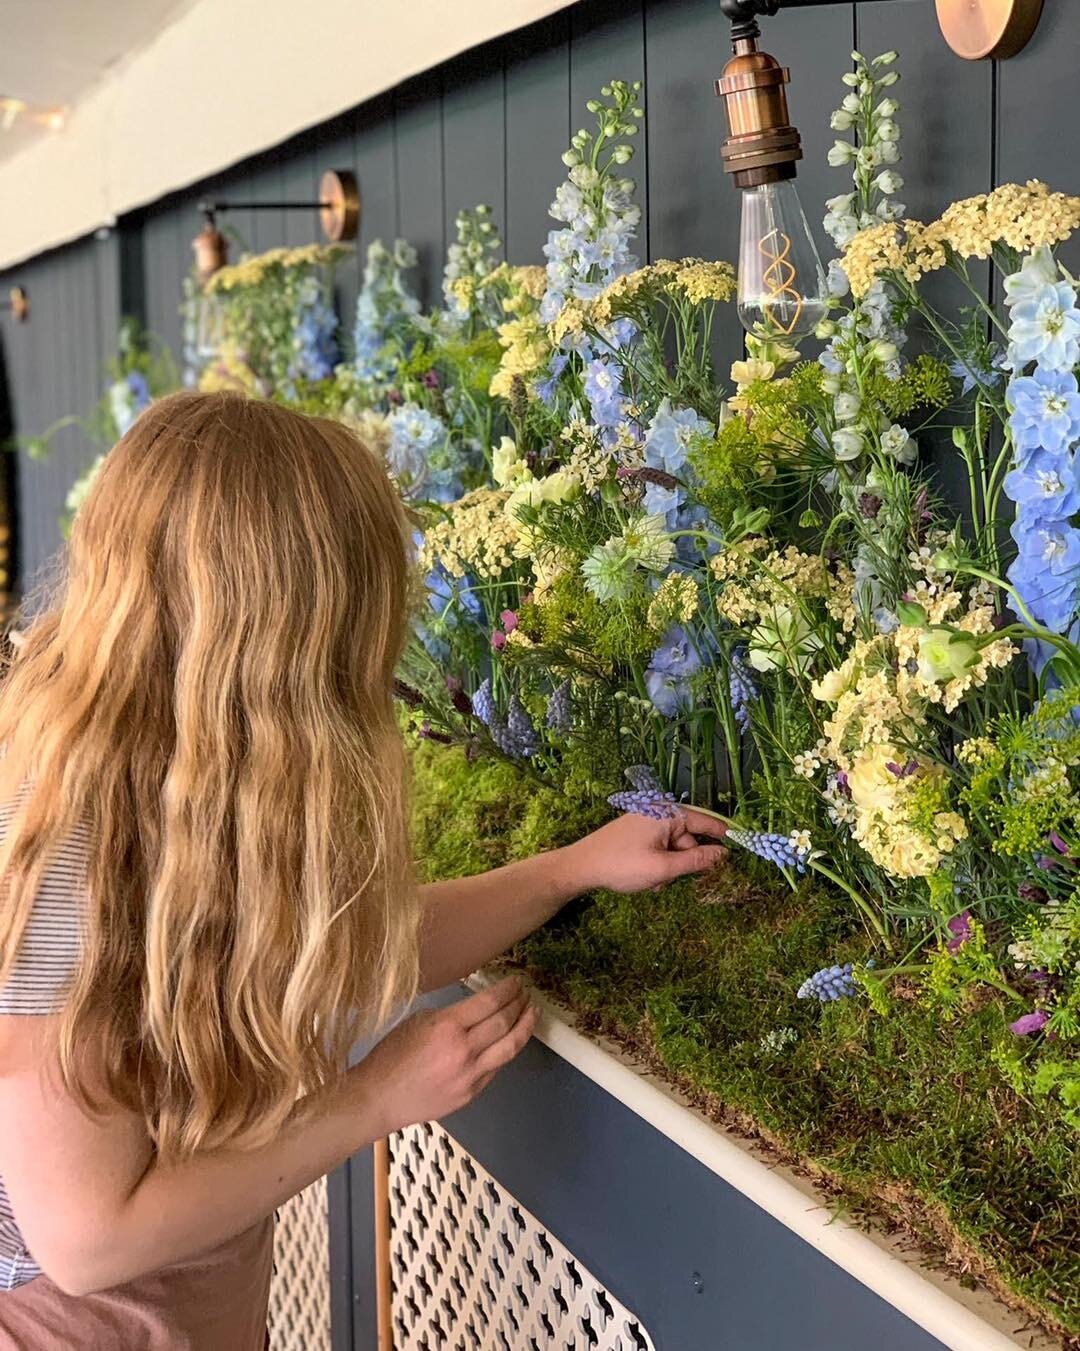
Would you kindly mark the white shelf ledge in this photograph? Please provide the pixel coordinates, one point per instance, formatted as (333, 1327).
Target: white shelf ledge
(960, 1319)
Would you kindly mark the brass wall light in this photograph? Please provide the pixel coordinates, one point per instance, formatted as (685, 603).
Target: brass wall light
(782, 291)
(17, 304)
(339, 217)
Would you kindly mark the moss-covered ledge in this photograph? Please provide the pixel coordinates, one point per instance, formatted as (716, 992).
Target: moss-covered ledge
(903, 1118)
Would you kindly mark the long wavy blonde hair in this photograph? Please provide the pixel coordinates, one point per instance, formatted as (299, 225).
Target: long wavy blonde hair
(212, 696)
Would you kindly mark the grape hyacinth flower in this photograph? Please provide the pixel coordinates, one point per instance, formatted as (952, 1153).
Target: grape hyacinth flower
(483, 703)
(560, 709)
(515, 734)
(645, 797)
(786, 851)
(829, 984)
(742, 690)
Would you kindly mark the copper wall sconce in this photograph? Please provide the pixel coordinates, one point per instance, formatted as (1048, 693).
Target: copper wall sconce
(977, 30)
(339, 218)
(17, 304)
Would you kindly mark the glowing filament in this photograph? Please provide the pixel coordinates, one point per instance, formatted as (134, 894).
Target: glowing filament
(778, 277)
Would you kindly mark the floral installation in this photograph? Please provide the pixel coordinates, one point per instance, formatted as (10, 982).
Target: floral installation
(654, 585)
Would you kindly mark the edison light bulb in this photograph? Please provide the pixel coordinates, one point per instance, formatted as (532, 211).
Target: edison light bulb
(782, 291)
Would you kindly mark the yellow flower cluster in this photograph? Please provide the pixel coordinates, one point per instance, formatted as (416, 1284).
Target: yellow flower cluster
(889, 812)
(477, 536)
(228, 370)
(897, 249)
(525, 286)
(755, 583)
(525, 349)
(700, 280)
(569, 322)
(675, 602)
(253, 267)
(1022, 216)
(463, 289)
(693, 279)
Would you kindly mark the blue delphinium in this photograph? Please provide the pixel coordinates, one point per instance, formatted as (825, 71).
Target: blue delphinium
(645, 797)
(127, 398)
(560, 713)
(742, 689)
(384, 304)
(667, 678)
(1044, 327)
(452, 601)
(828, 984)
(483, 703)
(314, 334)
(668, 441)
(420, 456)
(592, 248)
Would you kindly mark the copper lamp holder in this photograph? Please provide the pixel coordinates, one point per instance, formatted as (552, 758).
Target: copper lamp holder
(18, 303)
(762, 145)
(339, 218)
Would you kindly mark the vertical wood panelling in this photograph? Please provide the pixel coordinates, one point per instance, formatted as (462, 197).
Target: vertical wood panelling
(474, 135)
(537, 132)
(1038, 101)
(491, 126)
(54, 366)
(420, 182)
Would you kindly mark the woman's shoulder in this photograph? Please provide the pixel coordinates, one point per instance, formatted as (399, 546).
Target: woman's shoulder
(51, 942)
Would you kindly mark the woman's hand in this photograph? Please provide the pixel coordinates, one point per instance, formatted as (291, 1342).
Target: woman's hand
(434, 1063)
(635, 853)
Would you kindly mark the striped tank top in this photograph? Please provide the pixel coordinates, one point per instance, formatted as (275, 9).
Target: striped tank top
(37, 984)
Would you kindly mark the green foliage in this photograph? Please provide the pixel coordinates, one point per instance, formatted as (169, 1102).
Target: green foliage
(906, 1115)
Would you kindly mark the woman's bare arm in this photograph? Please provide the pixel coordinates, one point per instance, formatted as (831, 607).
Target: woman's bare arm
(470, 920)
(96, 1209)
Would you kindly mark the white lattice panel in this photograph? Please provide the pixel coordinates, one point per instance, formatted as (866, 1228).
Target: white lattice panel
(473, 1271)
(300, 1288)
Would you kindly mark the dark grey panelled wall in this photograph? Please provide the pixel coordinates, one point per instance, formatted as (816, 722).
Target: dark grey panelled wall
(491, 125)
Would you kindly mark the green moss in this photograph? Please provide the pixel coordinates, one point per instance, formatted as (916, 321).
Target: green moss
(909, 1114)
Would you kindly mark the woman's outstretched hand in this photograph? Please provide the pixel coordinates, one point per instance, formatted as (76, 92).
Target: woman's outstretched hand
(435, 1062)
(635, 853)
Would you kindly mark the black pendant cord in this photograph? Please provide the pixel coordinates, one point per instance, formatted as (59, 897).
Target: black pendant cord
(744, 14)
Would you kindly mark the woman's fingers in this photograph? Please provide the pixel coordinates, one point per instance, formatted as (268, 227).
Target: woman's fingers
(501, 1052)
(480, 1006)
(698, 823)
(481, 1035)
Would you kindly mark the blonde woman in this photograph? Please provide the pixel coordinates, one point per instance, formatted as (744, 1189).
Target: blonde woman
(205, 888)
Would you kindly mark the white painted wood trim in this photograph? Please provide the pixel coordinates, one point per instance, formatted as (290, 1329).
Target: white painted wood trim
(961, 1320)
(225, 80)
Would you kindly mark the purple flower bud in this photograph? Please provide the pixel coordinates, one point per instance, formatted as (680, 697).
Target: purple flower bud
(509, 620)
(1033, 893)
(1058, 843)
(498, 640)
(1030, 1023)
(430, 380)
(960, 928)
(869, 505)
(407, 694)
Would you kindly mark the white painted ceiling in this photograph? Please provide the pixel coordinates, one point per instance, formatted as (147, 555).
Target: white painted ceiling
(52, 52)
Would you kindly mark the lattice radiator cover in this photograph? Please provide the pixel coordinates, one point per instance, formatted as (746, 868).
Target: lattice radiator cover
(472, 1270)
(299, 1317)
